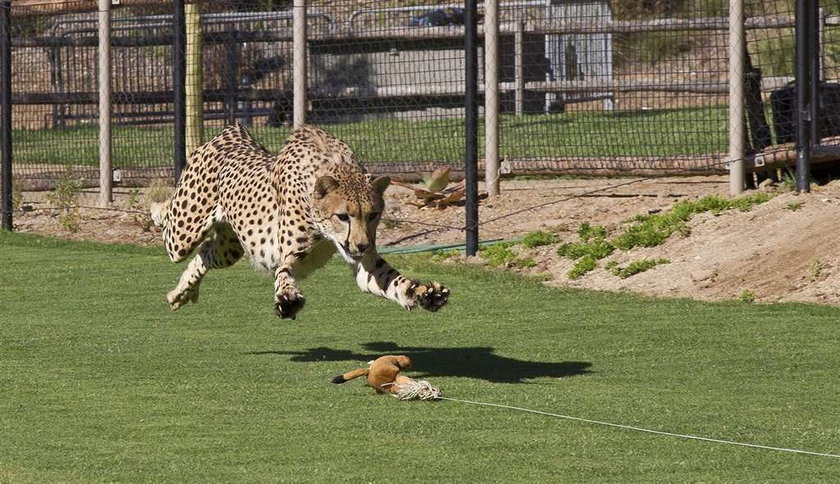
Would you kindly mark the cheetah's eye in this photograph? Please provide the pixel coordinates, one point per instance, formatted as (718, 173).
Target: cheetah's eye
(373, 216)
(343, 217)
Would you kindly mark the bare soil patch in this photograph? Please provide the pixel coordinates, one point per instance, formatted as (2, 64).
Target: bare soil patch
(782, 250)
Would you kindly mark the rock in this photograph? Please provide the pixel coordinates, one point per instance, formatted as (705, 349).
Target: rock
(703, 275)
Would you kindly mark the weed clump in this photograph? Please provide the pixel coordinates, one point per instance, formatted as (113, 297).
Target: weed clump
(539, 238)
(593, 246)
(65, 199)
(637, 267)
(502, 255)
(585, 264)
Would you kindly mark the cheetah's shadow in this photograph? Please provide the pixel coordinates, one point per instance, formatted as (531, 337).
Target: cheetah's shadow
(471, 362)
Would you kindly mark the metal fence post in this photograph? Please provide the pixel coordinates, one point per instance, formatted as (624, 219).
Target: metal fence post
(815, 19)
(471, 125)
(6, 110)
(106, 176)
(804, 109)
(179, 83)
(518, 67)
(491, 97)
(299, 62)
(737, 121)
(194, 79)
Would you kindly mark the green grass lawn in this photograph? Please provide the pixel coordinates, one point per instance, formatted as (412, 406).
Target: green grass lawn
(638, 133)
(100, 381)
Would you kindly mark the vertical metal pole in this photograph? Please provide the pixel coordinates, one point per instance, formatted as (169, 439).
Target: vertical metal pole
(609, 102)
(471, 125)
(815, 59)
(491, 97)
(299, 62)
(804, 109)
(106, 177)
(179, 83)
(518, 68)
(194, 79)
(737, 121)
(6, 110)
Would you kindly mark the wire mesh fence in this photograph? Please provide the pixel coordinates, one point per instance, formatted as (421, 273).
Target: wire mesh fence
(585, 85)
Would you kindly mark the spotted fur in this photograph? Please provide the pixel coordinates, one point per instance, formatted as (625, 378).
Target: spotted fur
(287, 213)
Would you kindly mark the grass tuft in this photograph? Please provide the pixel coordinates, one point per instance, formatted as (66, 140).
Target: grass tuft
(539, 238)
(584, 265)
(501, 255)
(637, 267)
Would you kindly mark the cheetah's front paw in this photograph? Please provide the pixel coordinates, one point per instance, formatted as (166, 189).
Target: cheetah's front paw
(176, 298)
(431, 296)
(288, 305)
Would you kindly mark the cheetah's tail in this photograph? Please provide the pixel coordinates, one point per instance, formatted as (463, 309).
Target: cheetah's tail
(158, 212)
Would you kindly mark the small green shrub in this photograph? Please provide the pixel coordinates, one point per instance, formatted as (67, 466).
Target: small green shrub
(794, 206)
(592, 242)
(497, 254)
(598, 249)
(539, 238)
(637, 267)
(586, 264)
(65, 199)
(788, 182)
(747, 296)
(815, 270)
(587, 232)
(502, 255)
(592, 247)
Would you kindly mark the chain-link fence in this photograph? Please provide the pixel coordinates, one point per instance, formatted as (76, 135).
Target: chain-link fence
(586, 86)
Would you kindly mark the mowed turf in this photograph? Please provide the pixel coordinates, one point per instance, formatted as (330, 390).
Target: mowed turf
(100, 381)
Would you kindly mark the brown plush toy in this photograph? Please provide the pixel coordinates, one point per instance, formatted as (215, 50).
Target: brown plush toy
(384, 375)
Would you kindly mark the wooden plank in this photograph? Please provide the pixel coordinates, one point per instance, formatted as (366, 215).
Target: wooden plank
(53, 7)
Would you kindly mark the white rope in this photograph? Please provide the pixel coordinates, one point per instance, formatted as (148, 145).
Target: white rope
(416, 390)
(639, 429)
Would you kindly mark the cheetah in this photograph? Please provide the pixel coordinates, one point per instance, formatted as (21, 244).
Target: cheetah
(287, 213)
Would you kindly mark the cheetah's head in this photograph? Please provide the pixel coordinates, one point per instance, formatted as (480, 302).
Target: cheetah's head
(348, 212)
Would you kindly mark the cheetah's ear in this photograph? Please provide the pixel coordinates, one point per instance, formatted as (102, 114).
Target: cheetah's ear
(380, 184)
(324, 185)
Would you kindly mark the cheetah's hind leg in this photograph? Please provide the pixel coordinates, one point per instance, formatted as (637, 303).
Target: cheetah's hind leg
(222, 249)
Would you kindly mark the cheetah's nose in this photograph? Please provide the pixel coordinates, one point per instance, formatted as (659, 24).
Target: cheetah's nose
(362, 248)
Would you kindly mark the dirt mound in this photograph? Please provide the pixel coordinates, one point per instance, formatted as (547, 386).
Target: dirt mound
(782, 250)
